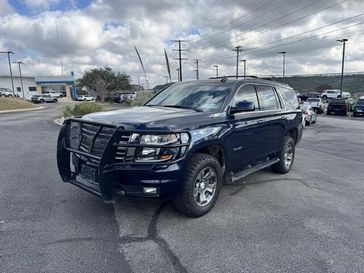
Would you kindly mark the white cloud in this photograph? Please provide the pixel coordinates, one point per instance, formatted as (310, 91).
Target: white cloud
(105, 34)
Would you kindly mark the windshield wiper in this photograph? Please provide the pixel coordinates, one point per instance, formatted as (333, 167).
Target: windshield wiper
(182, 107)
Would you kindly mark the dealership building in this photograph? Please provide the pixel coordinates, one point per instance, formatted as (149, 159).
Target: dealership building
(38, 85)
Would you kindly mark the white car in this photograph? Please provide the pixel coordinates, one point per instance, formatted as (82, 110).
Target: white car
(334, 94)
(316, 103)
(5, 92)
(85, 98)
(308, 114)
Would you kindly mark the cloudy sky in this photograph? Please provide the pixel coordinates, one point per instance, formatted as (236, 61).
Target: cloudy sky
(98, 33)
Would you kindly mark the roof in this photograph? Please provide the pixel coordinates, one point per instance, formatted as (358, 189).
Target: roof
(232, 80)
(54, 79)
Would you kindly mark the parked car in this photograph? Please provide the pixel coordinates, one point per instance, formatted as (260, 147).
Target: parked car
(337, 106)
(124, 97)
(316, 104)
(43, 98)
(184, 142)
(5, 92)
(334, 94)
(309, 114)
(359, 107)
(85, 98)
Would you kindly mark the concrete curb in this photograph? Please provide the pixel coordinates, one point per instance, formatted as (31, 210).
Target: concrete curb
(59, 121)
(22, 110)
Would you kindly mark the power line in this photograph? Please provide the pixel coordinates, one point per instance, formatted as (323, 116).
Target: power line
(279, 18)
(231, 23)
(259, 48)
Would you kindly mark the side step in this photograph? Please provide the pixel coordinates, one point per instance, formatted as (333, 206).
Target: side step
(255, 168)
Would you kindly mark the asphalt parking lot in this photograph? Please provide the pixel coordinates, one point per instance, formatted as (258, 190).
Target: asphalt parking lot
(309, 220)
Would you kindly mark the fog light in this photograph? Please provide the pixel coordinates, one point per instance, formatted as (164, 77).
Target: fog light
(150, 190)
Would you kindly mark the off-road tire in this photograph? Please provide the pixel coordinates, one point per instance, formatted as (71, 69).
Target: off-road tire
(186, 203)
(281, 167)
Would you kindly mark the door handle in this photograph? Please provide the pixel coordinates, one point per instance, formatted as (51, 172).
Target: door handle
(260, 121)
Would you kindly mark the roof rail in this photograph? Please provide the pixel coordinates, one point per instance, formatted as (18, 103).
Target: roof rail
(234, 77)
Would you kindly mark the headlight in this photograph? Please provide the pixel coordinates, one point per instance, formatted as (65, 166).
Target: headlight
(162, 153)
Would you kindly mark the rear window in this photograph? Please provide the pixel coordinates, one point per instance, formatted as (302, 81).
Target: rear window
(338, 102)
(313, 100)
(289, 97)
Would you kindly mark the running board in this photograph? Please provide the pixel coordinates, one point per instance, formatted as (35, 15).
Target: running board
(255, 168)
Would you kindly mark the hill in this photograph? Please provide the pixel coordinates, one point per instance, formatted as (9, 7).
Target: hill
(353, 83)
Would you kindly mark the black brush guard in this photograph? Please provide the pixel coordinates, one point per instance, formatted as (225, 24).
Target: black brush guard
(106, 163)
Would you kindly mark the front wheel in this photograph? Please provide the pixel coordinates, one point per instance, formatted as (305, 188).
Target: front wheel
(286, 156)
(201, 186)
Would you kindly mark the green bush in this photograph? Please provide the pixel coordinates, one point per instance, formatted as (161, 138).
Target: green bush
(81, 109)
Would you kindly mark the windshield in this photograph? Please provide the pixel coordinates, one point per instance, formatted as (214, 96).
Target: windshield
(194, 95)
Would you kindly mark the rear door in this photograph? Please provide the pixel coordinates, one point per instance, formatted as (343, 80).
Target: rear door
(272, 121)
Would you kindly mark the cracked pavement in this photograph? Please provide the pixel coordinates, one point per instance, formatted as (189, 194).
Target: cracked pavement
(310, 220)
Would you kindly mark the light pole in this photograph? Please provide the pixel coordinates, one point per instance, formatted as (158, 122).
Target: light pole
(217, 70)
(342, 66)
(244, 67)
(11, 72)
(21, 78)
(284, 62)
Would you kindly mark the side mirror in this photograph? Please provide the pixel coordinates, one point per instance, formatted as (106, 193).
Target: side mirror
(243, 106)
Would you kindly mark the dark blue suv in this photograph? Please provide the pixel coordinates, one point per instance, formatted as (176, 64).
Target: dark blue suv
(184, 143)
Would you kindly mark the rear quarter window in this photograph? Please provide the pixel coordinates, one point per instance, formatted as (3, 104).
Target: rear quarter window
(289, 98)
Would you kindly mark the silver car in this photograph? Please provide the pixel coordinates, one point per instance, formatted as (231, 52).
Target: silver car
(308, 114)
(43, 98)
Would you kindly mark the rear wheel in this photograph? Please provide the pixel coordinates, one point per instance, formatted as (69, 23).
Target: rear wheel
(286, 156)
(201, 186)
(55, 100)
(41, 101)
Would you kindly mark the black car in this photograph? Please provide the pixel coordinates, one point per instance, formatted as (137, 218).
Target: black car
(337, 106)
(359, 108)
(184, 142)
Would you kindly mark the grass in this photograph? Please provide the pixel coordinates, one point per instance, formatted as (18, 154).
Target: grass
(15, 104)
(81, 109)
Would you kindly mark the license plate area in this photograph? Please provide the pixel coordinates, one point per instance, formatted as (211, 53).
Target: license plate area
(88, 173)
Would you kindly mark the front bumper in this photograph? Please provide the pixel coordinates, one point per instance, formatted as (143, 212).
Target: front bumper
(105, 176)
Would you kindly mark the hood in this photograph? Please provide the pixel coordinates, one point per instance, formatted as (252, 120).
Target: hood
(146, 117)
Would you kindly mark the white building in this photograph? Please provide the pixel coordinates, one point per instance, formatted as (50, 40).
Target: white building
(37, 85)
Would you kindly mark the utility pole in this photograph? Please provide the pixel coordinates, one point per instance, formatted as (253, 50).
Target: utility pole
(284, 62)
(244, 67)
(178, 78)
(197, 76)
(180, 49)
(11, 72)
(217, 70)
(238, 50)
(342, 66)
(21, 78)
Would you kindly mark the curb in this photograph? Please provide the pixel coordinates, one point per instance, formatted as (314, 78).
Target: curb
(22, 110)
(59, 121)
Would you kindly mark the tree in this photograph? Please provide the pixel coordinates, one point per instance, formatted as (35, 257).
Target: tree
(103, 80)
(323, 87)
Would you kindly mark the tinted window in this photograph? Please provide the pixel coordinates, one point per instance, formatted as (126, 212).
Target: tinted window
(314, 100)
(246, 93)
(290, 98)
(267, 98)
(32, 88)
